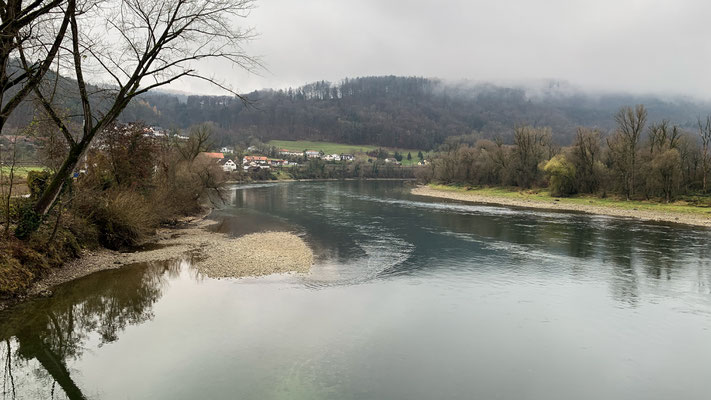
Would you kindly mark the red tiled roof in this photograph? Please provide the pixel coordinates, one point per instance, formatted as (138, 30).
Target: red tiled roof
(214, 155)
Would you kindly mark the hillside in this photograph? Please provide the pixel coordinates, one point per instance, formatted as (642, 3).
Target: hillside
(402, 112)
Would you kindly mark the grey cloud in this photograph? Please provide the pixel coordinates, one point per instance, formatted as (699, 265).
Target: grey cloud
(607, 45)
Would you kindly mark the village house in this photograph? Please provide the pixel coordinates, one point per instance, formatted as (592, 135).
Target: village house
(213, 156)
(285, 152)
(347, 157)
(256, 160)
(226, 150)
(228, 165)
(312, 154)
(152, 131)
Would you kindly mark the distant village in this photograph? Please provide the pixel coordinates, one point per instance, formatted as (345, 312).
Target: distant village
(255, 161)
(258, 161)
(256, 158)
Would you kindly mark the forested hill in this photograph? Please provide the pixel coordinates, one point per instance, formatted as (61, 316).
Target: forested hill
(403, 112)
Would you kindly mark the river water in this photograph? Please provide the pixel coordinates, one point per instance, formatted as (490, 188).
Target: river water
(410, 298)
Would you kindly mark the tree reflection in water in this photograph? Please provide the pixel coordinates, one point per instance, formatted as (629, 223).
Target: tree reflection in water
(39, 338)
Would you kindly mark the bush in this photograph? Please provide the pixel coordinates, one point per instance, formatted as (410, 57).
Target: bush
(122, 218)
(14, 277)
(23, 262)
(561, 176)
(37, 182)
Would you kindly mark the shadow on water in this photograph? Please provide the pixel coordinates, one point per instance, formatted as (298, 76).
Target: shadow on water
(45, 334)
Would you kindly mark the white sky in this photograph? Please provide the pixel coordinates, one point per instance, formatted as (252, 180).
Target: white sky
(650, 46)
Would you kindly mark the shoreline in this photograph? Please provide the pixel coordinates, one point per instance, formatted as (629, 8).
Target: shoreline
(316, 180)
(644, 215)
(217, 256)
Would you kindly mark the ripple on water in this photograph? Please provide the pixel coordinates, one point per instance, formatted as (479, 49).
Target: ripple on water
(382, 251)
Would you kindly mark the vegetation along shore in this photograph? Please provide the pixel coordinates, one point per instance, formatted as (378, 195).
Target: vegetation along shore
(541, 199)
(215, 255)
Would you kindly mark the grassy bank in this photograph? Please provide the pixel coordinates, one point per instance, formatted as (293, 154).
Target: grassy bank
(340, 148)
(544, 196)
(20, 172)
(687, 211)
(326, 147)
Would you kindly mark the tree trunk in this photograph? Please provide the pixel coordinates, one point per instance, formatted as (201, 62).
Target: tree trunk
(50, 194)
(32, 219)
(58, 371)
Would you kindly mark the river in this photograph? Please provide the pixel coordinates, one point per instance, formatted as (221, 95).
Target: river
(410, 298)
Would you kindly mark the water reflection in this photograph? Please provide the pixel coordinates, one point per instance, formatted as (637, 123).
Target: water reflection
(445, 296)
(366, 230)
(46, 334)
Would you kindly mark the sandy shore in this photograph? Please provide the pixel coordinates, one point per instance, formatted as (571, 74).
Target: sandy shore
(256, 254)
(217, 255)
(681, 218)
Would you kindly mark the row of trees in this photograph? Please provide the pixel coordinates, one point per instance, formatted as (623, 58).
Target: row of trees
(638, 159)
(378, 169)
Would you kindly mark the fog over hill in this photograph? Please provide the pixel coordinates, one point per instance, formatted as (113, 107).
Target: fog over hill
(406, 111)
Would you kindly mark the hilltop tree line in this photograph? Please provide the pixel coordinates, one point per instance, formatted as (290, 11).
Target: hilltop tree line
(638, 159)
(406, 112)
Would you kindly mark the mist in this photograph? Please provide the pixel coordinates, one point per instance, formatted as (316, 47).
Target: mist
(642, 47)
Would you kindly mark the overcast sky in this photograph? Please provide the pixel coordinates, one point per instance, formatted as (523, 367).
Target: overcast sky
(647, 46)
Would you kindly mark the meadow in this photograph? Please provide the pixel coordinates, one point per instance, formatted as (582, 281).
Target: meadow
(340, 148)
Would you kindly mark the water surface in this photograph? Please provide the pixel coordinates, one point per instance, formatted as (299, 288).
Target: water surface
(410, 298)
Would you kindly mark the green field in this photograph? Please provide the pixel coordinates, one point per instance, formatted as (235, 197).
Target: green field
(20, 172)
(543, 196)
(339, 148)
(326, 147)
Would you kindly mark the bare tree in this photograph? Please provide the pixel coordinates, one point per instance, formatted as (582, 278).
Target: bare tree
(7, 197)
(662, 137)
(705, 135)
(144, 44)
(586, 153)
(32, 26)
(630, 125)
(531, 146)
(198, 141)
(667, 168)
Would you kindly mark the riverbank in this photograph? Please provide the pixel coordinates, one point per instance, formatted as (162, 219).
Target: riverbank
(215, 255)
(646, 211)
(314, 180)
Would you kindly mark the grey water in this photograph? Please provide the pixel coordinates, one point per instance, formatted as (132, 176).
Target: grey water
(409, 298)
